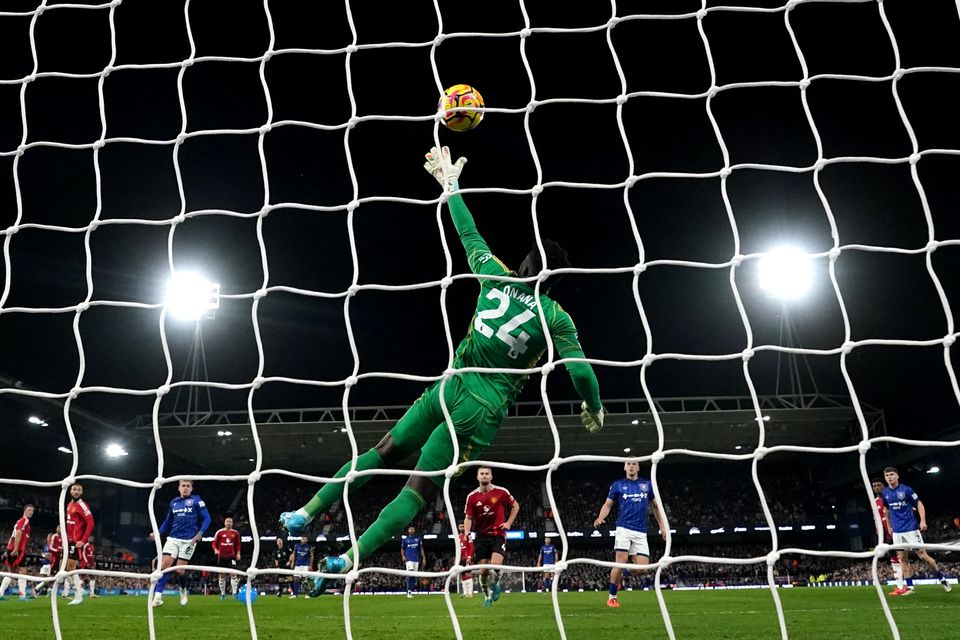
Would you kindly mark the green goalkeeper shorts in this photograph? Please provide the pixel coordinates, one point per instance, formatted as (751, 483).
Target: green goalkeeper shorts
(424, 427)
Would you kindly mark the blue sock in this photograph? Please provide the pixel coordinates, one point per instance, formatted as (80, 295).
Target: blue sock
(910, 582)
(939, 574)
(613, 590)
(548, 583)
(162, 582)
(410, 583)
(296, 587)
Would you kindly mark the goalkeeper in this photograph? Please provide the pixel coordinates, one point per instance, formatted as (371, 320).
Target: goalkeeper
(506, 332)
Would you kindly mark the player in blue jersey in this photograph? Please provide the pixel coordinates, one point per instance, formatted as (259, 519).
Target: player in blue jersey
(633, 497)
(300, 560)
(546, 559)
(899, 501)
(187, 519)
(411, 552)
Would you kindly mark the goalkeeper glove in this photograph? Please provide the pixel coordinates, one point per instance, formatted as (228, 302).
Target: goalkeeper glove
(592, 421)
(445, 171)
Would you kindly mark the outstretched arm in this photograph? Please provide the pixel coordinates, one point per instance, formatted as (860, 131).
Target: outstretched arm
(567, 342)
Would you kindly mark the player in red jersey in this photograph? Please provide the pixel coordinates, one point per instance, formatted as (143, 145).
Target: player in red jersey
(14, 553)
(226, 546)
(878, 486)
(88, 561)
(466, 557)
(79, 528)
(484, 513)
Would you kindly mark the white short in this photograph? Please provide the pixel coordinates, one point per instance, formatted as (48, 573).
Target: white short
(908, 537)
(549, 568)
(179, 549)
(633, 542)
(413, 566)
(301, 568)
(45, 570)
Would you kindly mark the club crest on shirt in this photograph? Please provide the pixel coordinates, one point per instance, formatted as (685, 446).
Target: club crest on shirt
(901, 495)
(189, 503)
(493, 500)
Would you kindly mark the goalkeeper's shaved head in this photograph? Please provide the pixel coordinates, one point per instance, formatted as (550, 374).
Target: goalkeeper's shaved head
(557, 258)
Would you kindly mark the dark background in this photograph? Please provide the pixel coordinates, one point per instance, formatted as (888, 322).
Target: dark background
(269, 211)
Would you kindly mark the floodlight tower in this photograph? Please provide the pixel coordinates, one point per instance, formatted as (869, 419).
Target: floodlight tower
(786, 273)
(191, 297)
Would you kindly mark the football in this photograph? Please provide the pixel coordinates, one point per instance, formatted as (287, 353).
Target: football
(457, 106)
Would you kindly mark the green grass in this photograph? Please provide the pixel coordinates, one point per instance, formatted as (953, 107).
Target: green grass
(848, 613)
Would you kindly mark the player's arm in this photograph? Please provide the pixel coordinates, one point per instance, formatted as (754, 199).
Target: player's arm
(604, 512)
(567, 342)
(290, 559)
(237, 546)
(167, 522)
(922, 512)
(215, 545)
(17, 536)
(423, 554)
(467, 526)
(205, 524)
(540, 558)
(886, 520)
(514, 510)
(658, 514)
(87, 523)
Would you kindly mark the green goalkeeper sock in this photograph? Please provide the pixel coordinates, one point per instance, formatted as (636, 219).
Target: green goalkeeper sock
(333, 491)
(391, 521)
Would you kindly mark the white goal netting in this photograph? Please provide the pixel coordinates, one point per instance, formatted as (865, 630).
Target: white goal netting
(464, 44)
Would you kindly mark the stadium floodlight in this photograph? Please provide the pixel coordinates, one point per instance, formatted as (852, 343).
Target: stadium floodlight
(785, 273)
(224, 433)
(635, 422)
(190, 296)
(114, 450)
(627, 450)
(766, 418)
(37, 421)
(64, 450)
(933, 469)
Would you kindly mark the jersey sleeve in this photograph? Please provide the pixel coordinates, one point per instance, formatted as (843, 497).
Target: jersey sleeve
(614, 493)
(87, 522)
(479, 257)
(467, 510)
(203, 514)
(510, 499)
(167, 521)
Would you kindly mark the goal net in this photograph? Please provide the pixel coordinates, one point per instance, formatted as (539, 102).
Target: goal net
(672, 147)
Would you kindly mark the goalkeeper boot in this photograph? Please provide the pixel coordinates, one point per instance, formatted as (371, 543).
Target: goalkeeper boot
(487, 602)
(330, 564)
(496, 592)
(293, 522)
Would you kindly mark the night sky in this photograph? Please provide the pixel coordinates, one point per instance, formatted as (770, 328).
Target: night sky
(307, 185)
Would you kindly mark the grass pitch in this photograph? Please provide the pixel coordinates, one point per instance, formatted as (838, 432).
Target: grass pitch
(850, 613)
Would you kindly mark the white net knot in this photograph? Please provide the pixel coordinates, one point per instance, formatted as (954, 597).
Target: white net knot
(350, 476)
(21, 149)
(725, 172)
(621, 99)
(657, 457)
(555, 464)
(773, 558)
(181, 138)
(847, 347)
(526, 32)
(639, 268)
(864, 446)
(350, 381)
(791, 4)
(760, 452)
(74, 393)
(258, 382)
(537, 189)
(898, 74)
(445, 282)
(737, 260)
(544, 274)
(701, 14)
(94, 223)
(353, 122)
(533, 104)
(353, 575)
(253, 478)
(99, 144)
(648, 360)
(163, 390)
(632, 180)
(179, 219)
(747, 354)
(187, 63)
(804, 84)
(451, 471)
(66, 482)
(40, 10)
(259, 294)
(914, 158)
(712, 91)
(439, 40)
(352, 48)
(62, 576)
(819, 164)
(932, 246)
(155, 575)
(560, 565)
(834, 253)
(548, 368)
(448, 373)
(352, 290)
(949, 339)
(881, 550)
(83, 306)
(612, 22)
(268, 54)
(253, 572)
(158, 483)
(266, 128)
